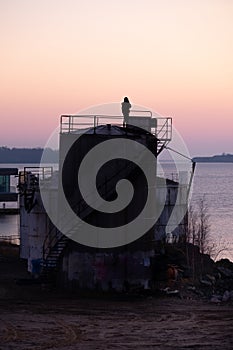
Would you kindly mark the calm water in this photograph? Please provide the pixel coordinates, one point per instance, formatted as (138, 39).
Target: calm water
(212, 181)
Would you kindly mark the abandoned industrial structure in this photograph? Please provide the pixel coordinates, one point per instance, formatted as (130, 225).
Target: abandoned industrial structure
(57, 257)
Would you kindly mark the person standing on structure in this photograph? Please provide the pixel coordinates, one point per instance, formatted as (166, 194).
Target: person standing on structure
(125, 107)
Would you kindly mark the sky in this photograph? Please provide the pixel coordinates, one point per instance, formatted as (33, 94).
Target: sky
(173, 56)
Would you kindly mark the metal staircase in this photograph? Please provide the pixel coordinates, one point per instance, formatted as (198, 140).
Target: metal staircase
(51, 254)
(163, 133)
(29, 184)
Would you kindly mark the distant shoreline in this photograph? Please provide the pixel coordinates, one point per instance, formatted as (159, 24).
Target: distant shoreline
(28, 155)
(224, 158)
(33, 156)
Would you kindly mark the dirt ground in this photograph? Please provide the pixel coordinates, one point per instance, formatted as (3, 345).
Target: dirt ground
(34, 319)
(91, 324)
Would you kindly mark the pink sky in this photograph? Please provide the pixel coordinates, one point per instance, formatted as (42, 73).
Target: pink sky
(173, 56)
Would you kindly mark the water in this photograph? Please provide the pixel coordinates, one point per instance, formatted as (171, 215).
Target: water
(9, 225)
(213, 182)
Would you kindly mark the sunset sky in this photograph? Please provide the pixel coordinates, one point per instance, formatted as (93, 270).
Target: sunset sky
(172, 56)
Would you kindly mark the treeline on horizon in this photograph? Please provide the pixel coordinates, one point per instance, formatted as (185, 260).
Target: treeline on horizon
(33, 155)
(220, 158)
(28, 155)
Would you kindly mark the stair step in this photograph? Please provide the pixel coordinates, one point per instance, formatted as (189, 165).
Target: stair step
(50, 264)
(52, 259)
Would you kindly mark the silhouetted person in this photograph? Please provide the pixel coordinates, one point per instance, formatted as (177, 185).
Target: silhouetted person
(125, 107)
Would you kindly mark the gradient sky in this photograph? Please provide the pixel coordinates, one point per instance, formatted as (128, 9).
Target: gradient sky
(173, 56)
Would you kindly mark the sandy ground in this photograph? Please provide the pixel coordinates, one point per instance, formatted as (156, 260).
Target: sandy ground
(34, 319)
(91, 324)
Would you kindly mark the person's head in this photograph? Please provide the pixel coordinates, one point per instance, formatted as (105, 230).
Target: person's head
(126, 99)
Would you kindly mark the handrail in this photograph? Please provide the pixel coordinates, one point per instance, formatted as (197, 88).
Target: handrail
(141, 111)
(50, 241)
(72, 123)
(41, 173)
(29, 178)
(164, 131)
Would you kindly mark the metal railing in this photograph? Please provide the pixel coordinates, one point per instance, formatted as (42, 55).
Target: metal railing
(52, 237)
(161, 127)
(174, 176)
(41, 173)
(163, 130)
(72, 123)
(31, 176)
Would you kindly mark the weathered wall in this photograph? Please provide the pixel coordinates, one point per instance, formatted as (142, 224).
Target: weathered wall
(33, 230)
(106, 271)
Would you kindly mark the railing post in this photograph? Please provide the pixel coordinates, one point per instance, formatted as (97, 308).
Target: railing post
(94, 123)
(69, 123)
(61, 117)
